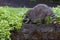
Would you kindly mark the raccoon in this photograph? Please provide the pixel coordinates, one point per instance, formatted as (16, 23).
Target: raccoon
(40, 11)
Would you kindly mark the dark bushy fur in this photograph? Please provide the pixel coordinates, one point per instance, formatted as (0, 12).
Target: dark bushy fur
(40, 11)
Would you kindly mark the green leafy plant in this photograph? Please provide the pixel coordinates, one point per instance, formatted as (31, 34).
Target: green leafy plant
(56, 11)
(10, 18)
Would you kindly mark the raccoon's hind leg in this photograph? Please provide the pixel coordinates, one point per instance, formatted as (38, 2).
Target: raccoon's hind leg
(43, 21)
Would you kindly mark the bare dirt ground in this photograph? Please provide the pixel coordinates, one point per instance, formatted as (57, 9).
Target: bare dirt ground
(41, 32)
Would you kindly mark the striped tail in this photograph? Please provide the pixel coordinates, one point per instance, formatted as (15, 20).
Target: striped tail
(53, 18)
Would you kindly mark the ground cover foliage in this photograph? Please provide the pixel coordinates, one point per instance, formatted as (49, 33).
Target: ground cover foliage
(11, 18)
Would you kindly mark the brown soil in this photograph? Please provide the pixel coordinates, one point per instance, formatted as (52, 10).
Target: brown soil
(41, 31)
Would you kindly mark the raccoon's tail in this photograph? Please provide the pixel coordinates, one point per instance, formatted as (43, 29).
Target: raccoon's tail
(54, 20)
